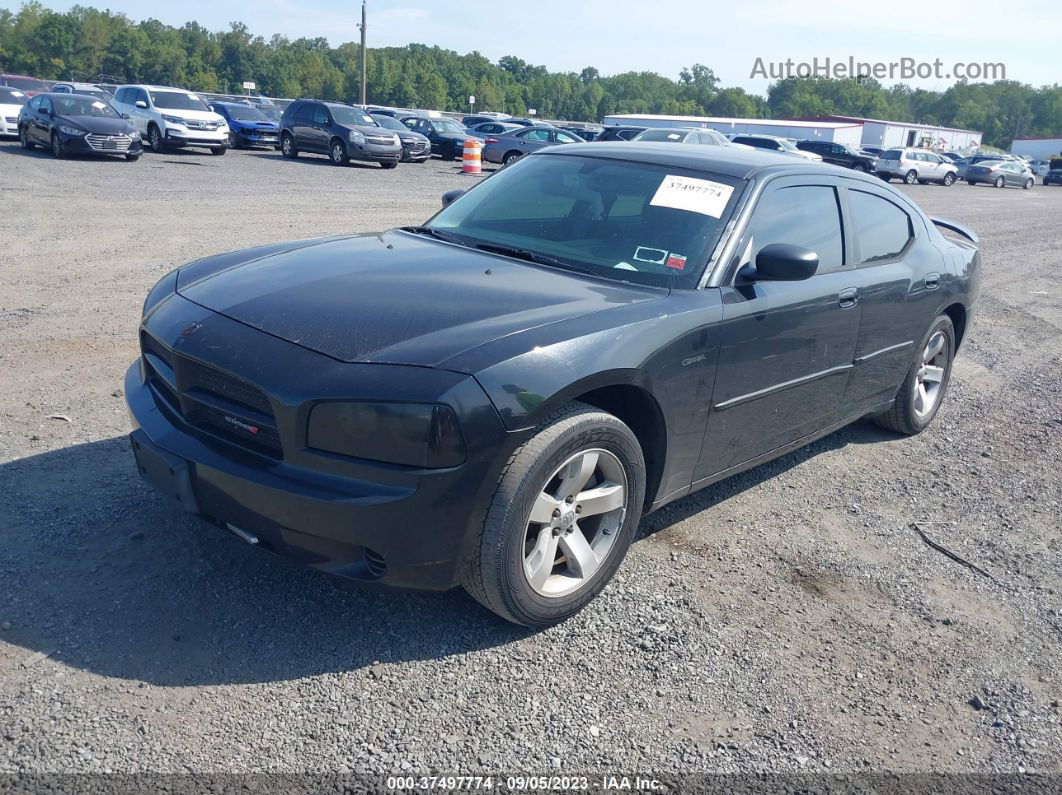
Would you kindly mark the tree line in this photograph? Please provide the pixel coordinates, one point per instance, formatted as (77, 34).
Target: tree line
(85, 43)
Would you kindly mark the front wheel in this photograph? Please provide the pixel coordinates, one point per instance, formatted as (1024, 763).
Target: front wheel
(287, 146)
(23, 138)
(57, 146)
(922, 391)
(1028, 184)
(561, 520)
(218, 150)
(948, 180)
(1000, 182)
(132, 158)
(389, 165)
(911, 177)
(155, 139)
(338, 154)
(448, 152)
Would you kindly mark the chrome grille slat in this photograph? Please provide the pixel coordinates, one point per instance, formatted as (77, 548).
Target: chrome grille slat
(109, 143)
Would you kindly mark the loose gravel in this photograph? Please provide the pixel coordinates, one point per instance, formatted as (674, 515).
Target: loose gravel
(789, 619)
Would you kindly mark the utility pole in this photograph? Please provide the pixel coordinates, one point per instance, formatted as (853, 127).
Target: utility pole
(363, 26)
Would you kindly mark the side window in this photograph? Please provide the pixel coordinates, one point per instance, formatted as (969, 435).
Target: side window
(880, 226)
(804, 215)
(35, 103)
(46, 104)
(142, 96)
(320, 114)
(565, 138)
(536, 135)
(837, 149)
(626, 135)
(304, 112)
(120, 95)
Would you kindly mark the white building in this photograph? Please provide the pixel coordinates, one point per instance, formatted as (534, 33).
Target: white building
(1037, 148)
(840, 132)
(886, 134)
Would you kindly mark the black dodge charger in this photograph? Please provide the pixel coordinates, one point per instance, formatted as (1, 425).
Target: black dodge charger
(495, 398)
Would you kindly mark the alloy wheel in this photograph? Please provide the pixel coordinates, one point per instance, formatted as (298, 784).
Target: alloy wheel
(574, 522)
(339, 155)
(285, 144)
(911, 177)
(930, 376)
(1000, 182)
(23, 138)
(948, 179)
(57, 146)
(156, 140)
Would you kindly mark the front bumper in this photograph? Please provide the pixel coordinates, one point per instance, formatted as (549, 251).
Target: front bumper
(370, 521)
(181, 136)
(375, 153)
(256, 137)
(101, 144)
(9, 125)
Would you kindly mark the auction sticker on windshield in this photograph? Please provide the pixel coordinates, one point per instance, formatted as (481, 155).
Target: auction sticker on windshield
(693, 195)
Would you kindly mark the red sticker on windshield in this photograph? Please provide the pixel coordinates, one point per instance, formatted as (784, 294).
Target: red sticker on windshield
(677, 262)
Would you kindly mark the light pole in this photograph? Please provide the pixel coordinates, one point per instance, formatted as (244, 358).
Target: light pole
(363, 26)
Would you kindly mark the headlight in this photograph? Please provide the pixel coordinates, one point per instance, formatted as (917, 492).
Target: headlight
(173, 119)
(163, 289)
(356, 137)
(422, 435)
(398, 139)
(71, 130)
(134, 134)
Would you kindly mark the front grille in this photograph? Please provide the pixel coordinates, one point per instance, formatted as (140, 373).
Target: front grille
(415, 147)
(380, 140)
(375, 563)
(193, 124)
(12, 119)
(109, 143)
(210, 400)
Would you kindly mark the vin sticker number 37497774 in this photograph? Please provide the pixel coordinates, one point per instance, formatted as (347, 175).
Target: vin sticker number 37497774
(693, 195)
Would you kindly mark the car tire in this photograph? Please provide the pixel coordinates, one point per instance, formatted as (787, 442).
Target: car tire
(287, 146)
(448, 152)
(57, 146)
(575, 446)
(510, 158)
(884, 177)
(337, 153)
(1000, 182)
(949, 180)
(859, 167)
(911, 177)
(916, 404)
(1028, 184)
(388, 165)
(217, 151)
(155, 139)
(132, 158)
(23, 138)
(971, 182)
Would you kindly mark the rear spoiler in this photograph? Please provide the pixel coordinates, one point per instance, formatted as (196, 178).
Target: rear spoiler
(956, 227)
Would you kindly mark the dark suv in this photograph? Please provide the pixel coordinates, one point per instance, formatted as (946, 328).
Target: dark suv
(839, 155)
(342, 132)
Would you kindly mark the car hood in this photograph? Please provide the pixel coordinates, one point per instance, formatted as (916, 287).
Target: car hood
(394, 297)
(196, 115)
(254, 124)
(100, 124)
(10, 110)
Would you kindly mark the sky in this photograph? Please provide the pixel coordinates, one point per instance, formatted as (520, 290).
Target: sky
(662, 36)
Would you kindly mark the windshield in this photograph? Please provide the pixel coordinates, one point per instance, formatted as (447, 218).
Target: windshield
(892, 154)
(73, 105)
(355, 116)
(673, 136)
(390, 123)
(177, 100)
(245, 113)
(271, 112)
(12, 96)
(626, 221)
(26, 83)
(786, 144)
(444, 125)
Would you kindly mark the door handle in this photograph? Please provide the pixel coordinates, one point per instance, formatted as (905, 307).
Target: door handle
(848, 297)
(932, 281)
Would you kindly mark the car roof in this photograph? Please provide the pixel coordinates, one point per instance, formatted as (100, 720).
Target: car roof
(672, 129)
(725, 160)
(64, 95)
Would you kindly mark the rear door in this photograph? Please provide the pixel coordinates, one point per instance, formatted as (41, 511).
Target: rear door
(40, 122)
(533, 140)
(787, 346)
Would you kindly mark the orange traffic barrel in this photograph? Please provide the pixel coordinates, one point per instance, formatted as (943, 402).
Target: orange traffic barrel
(471, 157)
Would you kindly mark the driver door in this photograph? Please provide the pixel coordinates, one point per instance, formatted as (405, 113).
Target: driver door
(786, 346)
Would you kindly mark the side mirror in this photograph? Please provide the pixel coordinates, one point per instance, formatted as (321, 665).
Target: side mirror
(450, 195)
(141, 104)
(783, 262)
(125, 116)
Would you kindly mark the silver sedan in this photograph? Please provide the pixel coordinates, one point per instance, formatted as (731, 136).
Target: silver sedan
(511, 146)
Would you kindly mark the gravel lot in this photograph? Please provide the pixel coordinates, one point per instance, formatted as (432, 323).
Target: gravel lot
(786, 620)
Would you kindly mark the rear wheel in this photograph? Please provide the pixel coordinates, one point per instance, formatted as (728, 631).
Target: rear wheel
(859, 167)
(948, 180)
(911, 177)
(922, 391)
(510, 157)
(885, 177)
(338, 153)
(23, 138)
(1000, 182)
(561, 520)
(287, 146)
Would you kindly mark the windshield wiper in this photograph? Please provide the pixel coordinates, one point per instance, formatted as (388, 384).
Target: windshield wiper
(431, 231)
(531, 256)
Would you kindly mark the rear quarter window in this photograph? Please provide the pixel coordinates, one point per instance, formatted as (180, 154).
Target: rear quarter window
(881, 227)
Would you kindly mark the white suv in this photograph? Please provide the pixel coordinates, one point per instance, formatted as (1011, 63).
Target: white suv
(171, 117)
(915, 165)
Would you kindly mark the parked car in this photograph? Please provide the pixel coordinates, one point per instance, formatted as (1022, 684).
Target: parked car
(954, 157)
(248, 126)
(1054, 172)
(511, 146)
(617, 133)
(681, 135)
(89, 89)
(341, 132)
(916, 165)
(31, 85)
(172, 118)
(446, 135)
(416, 148)
(77, 124)
(586, 133)
(494, 398)
(473, 120)
(1039, 167)
(839, 155)
(1001, 173)
(11, 102)
(492, 128)
(966, 162)
(773, 143)
(528, 122)
(872, 150)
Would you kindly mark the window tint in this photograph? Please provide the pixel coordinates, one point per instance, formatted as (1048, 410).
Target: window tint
(320, 114)
(880, 226)
(892, 154)
(565, 138)
(536, 135)
(626, 135)
(805, 215)
(304, 112)
(35, 103)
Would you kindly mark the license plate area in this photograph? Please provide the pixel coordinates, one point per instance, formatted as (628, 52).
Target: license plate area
(168, 473)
